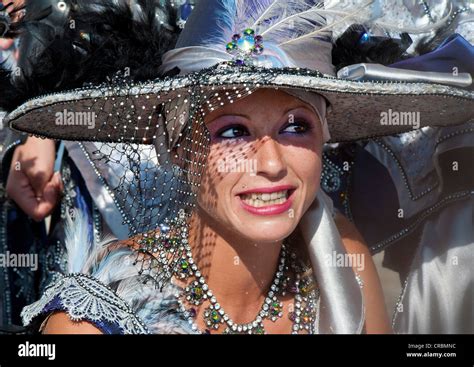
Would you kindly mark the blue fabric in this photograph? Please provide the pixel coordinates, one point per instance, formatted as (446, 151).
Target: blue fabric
(106, 327)
(455, 51)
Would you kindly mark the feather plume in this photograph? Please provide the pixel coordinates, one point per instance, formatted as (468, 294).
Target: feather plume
(291, 21)
(12, 22)
(77, 240)
(294, 21)
(82, 252)
(108, 36)
(324, 29)
(214, 22)
(350, 48)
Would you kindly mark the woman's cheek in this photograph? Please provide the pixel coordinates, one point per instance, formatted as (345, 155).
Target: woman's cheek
(214, 179)
(307, 166)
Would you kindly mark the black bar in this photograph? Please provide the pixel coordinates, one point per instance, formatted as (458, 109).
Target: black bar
(158, 350)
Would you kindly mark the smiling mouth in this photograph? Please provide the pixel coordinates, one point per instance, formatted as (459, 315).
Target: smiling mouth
(263, 199)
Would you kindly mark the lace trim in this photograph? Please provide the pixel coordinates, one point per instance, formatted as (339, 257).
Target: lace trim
(84, 297)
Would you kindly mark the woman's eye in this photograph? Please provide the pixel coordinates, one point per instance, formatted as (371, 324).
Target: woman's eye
(297, 128)
(233, 132)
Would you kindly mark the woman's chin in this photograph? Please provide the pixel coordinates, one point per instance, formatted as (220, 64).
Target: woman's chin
(270, 237)
(266, 231)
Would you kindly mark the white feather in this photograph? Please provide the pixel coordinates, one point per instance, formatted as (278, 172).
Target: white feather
(81, 252)
(266, 11)
(282, 22)
(289, 24)
(297, 17)
(351, 15)
(77, 241)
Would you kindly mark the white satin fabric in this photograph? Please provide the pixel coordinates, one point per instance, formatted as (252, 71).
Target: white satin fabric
(342, 308)
(438, 294)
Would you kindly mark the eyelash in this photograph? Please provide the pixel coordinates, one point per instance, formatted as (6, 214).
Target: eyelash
(227, 128)
(304, 124)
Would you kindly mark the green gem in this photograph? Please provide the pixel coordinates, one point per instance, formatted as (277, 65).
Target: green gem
(174, 240)
(149, 241)
(276, 308)
(259, 330)
(249, 32)
(231, 46)
(197, 293)
(215, 317)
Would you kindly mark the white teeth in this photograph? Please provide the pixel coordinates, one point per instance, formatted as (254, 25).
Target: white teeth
(263, 199)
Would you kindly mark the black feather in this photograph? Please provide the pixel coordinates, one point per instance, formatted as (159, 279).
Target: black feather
(94, 41)
(355, 46)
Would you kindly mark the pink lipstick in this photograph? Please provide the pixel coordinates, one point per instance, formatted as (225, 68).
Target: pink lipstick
(267, 200)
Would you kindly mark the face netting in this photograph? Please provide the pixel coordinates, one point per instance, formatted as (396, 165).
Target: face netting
(155, 186)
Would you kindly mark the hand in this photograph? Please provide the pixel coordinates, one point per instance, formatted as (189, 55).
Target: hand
(7, 43)
(31, 182)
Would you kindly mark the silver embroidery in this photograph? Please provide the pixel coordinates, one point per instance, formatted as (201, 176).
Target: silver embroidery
(84, 297)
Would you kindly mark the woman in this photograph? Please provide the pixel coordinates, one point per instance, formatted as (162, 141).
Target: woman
(262, 244)
(235, 240)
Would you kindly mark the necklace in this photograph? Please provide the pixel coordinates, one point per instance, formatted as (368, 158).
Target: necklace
(173, 257)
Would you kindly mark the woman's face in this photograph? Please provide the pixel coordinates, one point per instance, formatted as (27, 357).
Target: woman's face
(264, 165)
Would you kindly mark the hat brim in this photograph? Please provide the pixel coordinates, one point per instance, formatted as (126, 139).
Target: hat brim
(358, 110)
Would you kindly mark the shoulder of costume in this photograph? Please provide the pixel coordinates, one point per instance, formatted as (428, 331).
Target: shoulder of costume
(104, 287)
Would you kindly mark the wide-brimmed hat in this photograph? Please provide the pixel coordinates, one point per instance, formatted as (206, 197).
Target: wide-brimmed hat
(235, 46)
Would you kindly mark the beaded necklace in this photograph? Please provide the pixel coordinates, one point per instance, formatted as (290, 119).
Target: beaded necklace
(173, 255)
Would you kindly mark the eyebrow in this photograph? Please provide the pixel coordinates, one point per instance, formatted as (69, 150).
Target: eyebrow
(248, 117)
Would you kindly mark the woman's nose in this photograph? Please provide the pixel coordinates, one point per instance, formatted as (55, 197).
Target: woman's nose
(269, 159)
